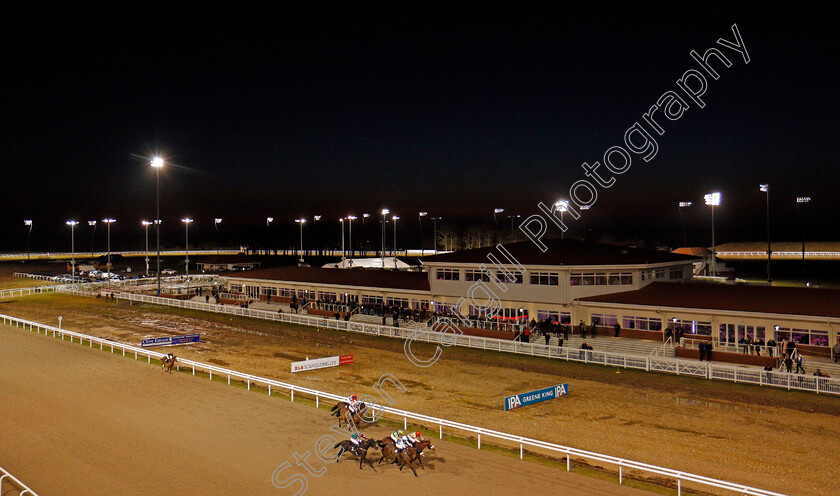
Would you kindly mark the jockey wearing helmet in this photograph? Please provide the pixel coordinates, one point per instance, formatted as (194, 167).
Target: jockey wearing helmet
(404, 442)
(353, 402)
(357, 438)
(396, 435)
(415, 437)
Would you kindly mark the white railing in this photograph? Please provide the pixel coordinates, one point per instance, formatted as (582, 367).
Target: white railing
(249, 379)
(11, 293)
(634, 361)
(38, 277)
(20, 486)
(629, 360)
(732, 347)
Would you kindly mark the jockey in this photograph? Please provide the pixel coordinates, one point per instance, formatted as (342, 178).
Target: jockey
(356, 439)
(396, 435)
(415, 437)
(404, 442)
(353, 402)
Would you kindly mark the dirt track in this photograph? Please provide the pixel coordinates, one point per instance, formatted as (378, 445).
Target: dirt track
(81, 421)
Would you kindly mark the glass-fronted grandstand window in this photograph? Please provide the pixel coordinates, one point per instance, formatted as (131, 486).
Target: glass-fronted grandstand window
(553, 316)
(304, 293)
(287, 292)
(236, 288)
(676, 273)
(605, 319)
(420, 304)
(802, 336)
(697, 327)
(397, 302)
(371, 300)
(620, 278)
(660, 273)
(268, 291)
(448, 274)
(545, 278)
(326, 296)
(444, 308)
(476, 275)
(514, 277)
(819, 338)
(642, 323)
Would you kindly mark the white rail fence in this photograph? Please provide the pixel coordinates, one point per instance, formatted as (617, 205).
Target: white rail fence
(622, 464)
(11, 293)
(707, 370)
(20, 486)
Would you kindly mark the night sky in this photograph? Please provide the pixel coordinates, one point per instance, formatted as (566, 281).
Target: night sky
(341, 109)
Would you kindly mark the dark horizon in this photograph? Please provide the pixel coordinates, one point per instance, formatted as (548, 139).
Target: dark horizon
(344, 111)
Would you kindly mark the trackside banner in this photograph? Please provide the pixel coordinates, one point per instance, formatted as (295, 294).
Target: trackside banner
(537, 396)
(170, 340)
(321, 363)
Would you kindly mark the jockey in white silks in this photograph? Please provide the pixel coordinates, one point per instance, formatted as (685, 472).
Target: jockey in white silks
(353, 403)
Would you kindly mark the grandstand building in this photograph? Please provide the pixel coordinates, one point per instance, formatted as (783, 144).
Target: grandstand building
(644, 291)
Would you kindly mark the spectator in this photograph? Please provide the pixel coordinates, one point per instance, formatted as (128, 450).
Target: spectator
(836, 351)
(582, 330)
(206, 298)
(771, 346)
(560, 341)
(593, 330)
(547, 338)
(798, 361)
(617, 329)
(566, 326)
(788, 364)
(702, 348)
(757, 346)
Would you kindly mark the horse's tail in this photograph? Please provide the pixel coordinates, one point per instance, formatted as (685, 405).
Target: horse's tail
(335, 407)
(337, 445)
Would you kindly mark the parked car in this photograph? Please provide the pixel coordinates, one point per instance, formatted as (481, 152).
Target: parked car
(168, 272)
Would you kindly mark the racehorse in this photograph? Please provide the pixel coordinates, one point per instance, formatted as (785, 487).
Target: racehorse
(360, 450)
(406, 456)
(341, 409)
(167, 364)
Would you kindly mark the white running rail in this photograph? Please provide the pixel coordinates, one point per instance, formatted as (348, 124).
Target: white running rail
(707, 370)
(623, 464)
(11, 293)
(23, 488)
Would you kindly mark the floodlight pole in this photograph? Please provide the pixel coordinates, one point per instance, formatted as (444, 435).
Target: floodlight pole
(28, 223)
(766, 189)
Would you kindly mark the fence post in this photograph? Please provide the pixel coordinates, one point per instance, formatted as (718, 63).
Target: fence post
(520, 451)
(568, 462)
(292, 391)
(269, 389)
(620, 474)
(440, 427)
(479, 441)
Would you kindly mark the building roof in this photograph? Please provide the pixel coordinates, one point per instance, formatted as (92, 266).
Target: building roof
(368, 263)
(372, 278)
(696, 251)
(738, 298)
(564, 252)
(239, 258)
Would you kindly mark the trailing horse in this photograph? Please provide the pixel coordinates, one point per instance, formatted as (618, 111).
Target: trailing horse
(167, 364)
(342, 409)
(360, 450)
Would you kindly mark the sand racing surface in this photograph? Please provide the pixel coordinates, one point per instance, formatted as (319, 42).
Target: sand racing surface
(77, 421)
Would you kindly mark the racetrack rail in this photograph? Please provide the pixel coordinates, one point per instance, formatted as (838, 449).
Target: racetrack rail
(248, 379)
